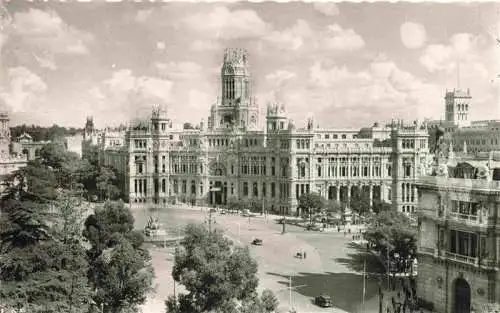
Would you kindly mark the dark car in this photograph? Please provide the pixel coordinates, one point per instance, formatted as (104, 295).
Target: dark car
(257, 242)
(323, 301)
(313, 227)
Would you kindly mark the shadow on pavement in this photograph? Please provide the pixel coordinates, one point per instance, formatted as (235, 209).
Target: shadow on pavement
(355, 261)
(346, 289)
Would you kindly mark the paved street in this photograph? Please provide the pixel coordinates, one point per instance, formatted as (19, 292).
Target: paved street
(333, 264)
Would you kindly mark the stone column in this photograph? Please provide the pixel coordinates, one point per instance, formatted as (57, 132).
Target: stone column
(370, 168)
(349, 166)
(371, 196)
(337, 191)
(382, 192)
(349, 194)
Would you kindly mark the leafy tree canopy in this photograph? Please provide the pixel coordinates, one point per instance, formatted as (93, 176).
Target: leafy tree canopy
(123, 276)
(311, 201)
(39, 133)
(218, 277)
(121, 271)
(40, 272)
(102, 226)
(390, 230)
(360, 203)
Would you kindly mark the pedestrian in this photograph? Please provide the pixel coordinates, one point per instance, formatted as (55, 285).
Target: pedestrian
(305, 255)
(349, 230)
(338, 229)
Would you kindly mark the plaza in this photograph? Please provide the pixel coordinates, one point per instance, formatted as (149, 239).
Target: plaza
(333, 265)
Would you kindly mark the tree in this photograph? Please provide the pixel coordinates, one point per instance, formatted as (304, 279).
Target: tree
(233, 203)
(113, 218)
(123, 277)
(333, 207)
(269, 301)
(121, 271)
(392, 231)
(311, 203)
(381, 206)
(218, 276)
(360, 203)
(107, 183)
(39, 271)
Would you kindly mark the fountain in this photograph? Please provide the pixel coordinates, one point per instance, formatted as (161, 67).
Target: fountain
(154, 228)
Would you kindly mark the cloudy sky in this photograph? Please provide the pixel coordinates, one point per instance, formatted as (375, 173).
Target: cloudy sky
(347, 64)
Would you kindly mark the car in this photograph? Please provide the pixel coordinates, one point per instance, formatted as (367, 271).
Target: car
(223, 212)
(257, 242)
(313, 227)
(324, 301)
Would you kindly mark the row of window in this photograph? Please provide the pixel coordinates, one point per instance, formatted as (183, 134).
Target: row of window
(342, 171)
(163, 126)
(408, 192)
(140, 187)
(140, 144)
(335, 136)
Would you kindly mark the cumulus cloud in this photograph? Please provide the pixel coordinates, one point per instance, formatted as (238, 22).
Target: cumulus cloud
(301, 35)
(143, 15)
(22, 89)
(279, 77)
(382, 87)
(328, 9)
(47, 31)
(160, 45)
(338, 38)
(463, 49)
(205, 45)
(290, 38)
(222, 22)
(185, 70)
(129, 95)
(413, 35)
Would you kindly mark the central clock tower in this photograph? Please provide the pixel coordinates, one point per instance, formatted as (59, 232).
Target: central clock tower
(235, 109)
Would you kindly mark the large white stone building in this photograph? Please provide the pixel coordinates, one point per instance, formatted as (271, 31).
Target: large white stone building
(232, 157)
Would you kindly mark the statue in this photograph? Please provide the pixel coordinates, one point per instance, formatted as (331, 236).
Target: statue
(484, 172)
(442, 170)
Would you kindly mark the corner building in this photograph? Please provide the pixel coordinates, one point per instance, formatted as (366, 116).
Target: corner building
(459, 238)
(234, 157)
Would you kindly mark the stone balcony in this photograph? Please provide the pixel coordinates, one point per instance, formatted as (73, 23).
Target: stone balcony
(483, 262)
(461, 183)
(462, 258)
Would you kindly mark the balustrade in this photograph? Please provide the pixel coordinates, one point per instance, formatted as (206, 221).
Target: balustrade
(462, 258)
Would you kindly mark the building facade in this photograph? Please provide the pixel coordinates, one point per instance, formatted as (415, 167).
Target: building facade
(459, 238)
(271, 162)
(9, 162)
(467, 136)
(25, 144)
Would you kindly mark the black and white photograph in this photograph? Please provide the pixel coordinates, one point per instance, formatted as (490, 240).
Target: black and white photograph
(249, 157)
